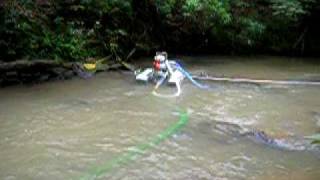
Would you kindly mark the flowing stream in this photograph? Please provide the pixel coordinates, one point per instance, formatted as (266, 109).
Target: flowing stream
(64, 129)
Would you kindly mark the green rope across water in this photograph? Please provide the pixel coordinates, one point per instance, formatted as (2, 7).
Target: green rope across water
(129, 156)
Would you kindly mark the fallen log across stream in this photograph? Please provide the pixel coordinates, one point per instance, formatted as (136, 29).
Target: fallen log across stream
(33, 71)
(25, 64)
(43, 63)
(257, 81)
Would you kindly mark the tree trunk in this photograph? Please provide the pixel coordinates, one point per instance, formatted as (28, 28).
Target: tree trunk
(27, 64)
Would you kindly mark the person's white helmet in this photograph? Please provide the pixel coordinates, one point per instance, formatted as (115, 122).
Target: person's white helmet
(160, 57)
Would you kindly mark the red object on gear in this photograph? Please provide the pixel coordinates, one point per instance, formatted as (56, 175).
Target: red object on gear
(156, 65)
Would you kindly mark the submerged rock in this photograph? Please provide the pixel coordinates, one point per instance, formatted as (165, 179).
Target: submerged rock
(290, 143)
(316, 117)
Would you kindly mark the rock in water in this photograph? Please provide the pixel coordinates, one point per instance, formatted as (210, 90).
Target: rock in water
(316, 118)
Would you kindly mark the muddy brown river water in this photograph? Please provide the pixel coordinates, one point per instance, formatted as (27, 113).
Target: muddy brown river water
(64, 129)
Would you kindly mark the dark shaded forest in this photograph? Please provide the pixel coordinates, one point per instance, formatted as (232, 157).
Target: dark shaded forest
(75, 30)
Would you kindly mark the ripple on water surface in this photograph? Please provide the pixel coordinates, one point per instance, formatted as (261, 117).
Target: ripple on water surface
(61, 130)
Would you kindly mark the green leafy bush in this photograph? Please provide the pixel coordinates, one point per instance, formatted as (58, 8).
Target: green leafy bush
(77, 29)
(36, 32)
(291, 10)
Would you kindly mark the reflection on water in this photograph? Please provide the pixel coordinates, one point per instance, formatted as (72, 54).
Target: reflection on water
(60, 130)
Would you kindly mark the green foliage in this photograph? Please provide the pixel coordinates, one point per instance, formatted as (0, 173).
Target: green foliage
(71, 44)
(78, 29)
(30, 31)
(208, 11)
(166, 6)
(251, 32)
(290, 10)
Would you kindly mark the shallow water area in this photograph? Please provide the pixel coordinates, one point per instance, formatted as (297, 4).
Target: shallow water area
(63, 130)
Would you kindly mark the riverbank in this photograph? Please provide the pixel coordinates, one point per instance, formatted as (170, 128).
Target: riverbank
(41, 70)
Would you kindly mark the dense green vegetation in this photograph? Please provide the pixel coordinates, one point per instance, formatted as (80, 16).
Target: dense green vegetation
(74, 30)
